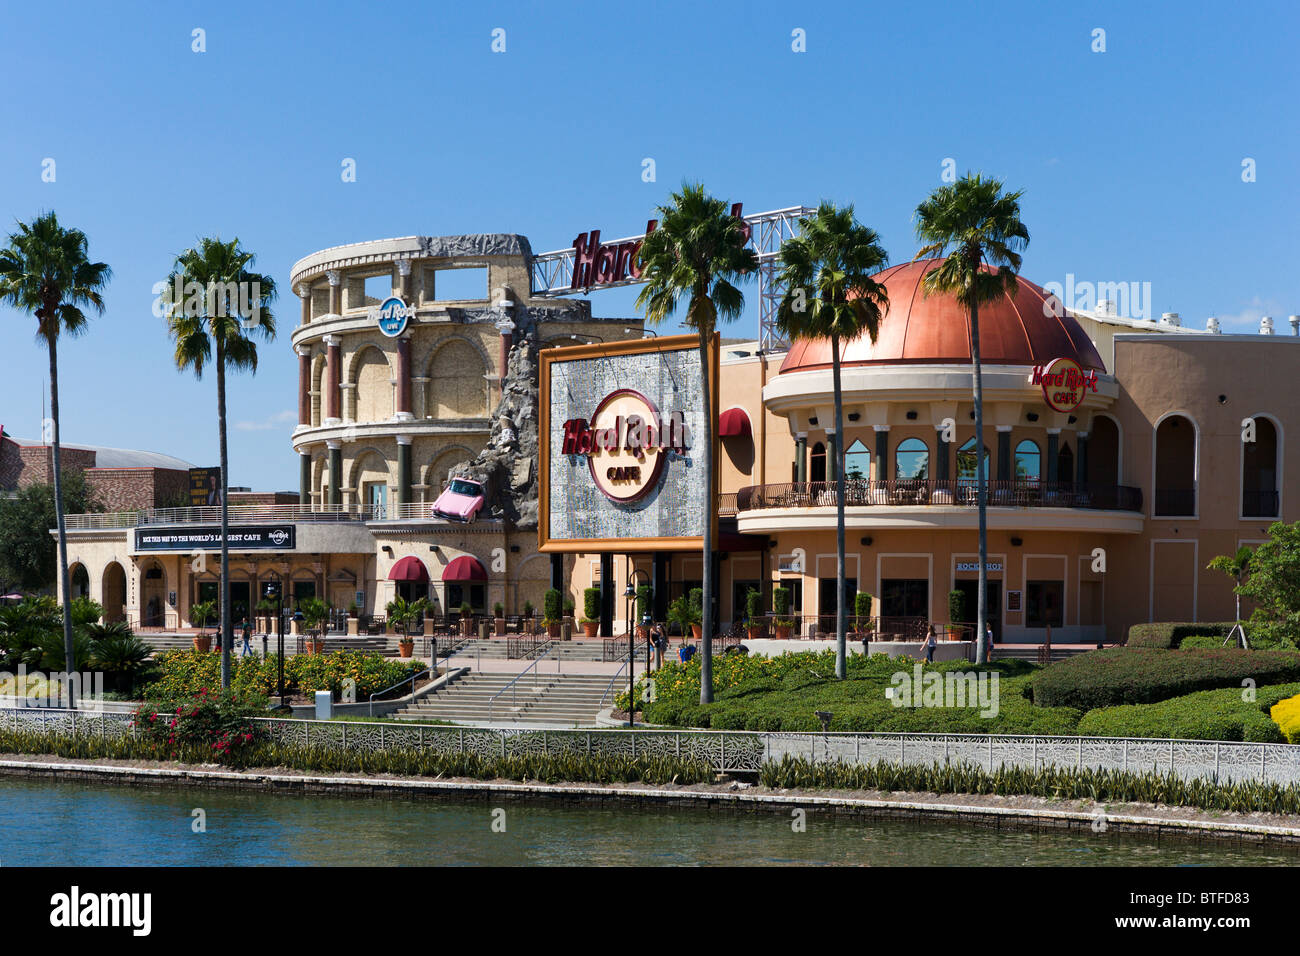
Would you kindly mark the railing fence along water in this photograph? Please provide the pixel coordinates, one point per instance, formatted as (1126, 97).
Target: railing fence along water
(927, 492)
(745, 751)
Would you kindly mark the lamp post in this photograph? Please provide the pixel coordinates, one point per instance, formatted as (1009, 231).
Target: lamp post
(273, 590)
(630, 594)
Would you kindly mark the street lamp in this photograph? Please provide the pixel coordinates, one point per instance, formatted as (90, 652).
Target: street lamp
(273, 590)
(630, 594)
(644, 332)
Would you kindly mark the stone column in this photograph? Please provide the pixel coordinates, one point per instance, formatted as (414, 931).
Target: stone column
(1004, 453)
(304, 385)
(304, 292)
(882, 452)
(336, 291)
(404, 280)
(942, 456)
(333, 376)
(1053, 449)
(832, 456)
(304, 479)
(403, 402)
(1081, 458)
(404, 469)
(336, 472)
(801, 457)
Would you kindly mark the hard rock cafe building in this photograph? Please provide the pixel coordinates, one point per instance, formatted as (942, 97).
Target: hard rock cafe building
(1105, 505)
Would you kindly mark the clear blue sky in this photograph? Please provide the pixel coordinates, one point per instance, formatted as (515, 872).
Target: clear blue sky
(1130, 159)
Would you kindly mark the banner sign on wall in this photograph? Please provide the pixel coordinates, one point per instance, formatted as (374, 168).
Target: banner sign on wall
(279, 537)
(205, 487)
(622, 463)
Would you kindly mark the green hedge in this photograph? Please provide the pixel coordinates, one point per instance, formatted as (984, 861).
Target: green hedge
(1128, 675)
(1204, 715)
(1166, 635)
(185, 673)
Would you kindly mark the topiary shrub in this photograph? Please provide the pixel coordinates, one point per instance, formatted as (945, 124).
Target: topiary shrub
(590, 605)
(956, 607)
(1165, 635)
(551, 607)
(1126, 675)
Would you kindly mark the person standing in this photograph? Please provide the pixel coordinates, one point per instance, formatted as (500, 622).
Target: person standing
(931, 642)
(659, 637)
(988, 643)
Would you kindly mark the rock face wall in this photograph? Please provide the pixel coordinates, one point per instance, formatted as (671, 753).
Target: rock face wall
(507, 467)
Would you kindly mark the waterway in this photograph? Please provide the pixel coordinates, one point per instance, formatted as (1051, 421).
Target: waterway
(120, 826)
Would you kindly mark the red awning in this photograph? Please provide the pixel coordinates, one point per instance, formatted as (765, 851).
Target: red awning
(733, 422)
(409, 568)
(465, 568)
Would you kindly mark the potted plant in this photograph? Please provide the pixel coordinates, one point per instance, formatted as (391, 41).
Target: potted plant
(499, 619)
(200, 613)
(528, 610)
(466, 619)
(644, 601)
(551, 604)
(781, 609)
(755, 628)
(315, 612)
(590, 612)
(685, 615)
(862, 615)
(697, 609)
(956, 610)
(354, 619)
(403, 614)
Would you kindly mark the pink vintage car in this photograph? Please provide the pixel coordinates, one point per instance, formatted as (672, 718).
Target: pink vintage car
(460, 501)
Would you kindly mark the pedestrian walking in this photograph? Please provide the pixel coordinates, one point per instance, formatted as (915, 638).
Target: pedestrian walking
(248, 637)
(931, 642)
(988, 645)
(660, 639)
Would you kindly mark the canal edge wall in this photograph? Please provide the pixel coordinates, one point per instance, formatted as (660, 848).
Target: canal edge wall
(587, 795)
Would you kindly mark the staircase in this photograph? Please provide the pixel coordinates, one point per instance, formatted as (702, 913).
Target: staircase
(554, 700)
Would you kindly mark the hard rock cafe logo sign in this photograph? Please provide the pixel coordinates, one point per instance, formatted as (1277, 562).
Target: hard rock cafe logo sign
(626, 444)
(391, 316)
(596, 263)
(1064, 382)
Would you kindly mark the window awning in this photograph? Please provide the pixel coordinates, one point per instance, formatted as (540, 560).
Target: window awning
(464, 568)
(409, 568)
(733, 422)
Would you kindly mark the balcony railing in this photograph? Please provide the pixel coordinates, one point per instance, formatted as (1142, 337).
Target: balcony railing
(1175, 502)
(929, 492)
(238, 514)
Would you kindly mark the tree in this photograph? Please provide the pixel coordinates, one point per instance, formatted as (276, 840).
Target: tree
(1274, 585)
(830, 294)
(1235, 566)
(212, 301)
(698, 252)
(28, 554)
(975, 227)
(46, 270)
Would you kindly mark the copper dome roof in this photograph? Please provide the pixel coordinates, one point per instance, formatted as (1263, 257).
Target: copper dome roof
(935, 330)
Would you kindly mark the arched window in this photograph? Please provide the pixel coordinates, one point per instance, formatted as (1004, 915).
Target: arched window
(912, 459)
(1029, 462)
(1175, 467)
(857, 462)
(1103, 452)
(966, 462)
(818, 470)
(1259, 472)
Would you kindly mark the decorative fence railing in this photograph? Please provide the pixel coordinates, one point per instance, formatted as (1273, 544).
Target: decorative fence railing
(211, 514)
(741, 751)
(926, 492)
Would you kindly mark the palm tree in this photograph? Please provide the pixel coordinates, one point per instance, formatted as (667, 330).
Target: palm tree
(830, 294)
(976, 228)
(212, 300)
(1235, 566)
(46, 270)
(698, 252)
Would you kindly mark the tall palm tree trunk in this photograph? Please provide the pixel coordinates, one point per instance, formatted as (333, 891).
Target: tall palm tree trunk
(706, 611)
(69, 652)
(841, 588)
(227, 631)
(982, 492)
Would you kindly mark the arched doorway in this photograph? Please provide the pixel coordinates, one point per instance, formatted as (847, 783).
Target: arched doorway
(1175, 478)
(1259, 472)
(113, 593)
(79, 580)
(153, 595)
(1103, 453)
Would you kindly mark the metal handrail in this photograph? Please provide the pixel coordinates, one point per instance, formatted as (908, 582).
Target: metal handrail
(211, 514)
(409, 680)
(947, 492)
(612, 681)
(512, 685)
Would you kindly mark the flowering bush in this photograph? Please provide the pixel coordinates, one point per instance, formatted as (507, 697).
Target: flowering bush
(205, 723)
(185, 672)
(1286, 714)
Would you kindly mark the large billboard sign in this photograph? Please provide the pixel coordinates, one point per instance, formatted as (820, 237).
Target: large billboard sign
(622, 464)
(278, 537)
(205, 487)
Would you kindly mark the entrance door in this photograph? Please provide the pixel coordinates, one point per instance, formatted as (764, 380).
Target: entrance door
(992, 606)
(904, 607)
(377, 498)
(739, 593)
(239, 601)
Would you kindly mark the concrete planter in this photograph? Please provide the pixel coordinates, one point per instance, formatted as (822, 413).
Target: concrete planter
(353, 627)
